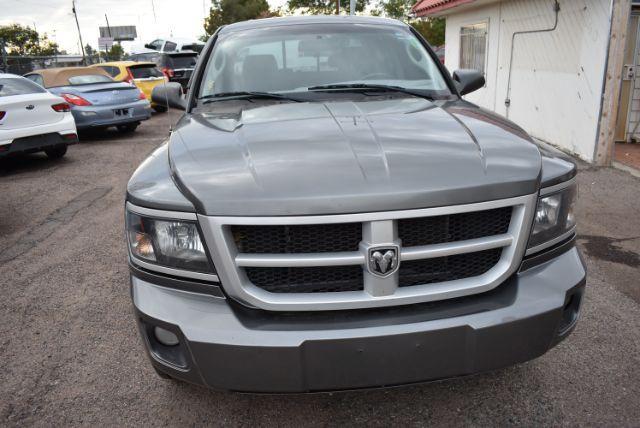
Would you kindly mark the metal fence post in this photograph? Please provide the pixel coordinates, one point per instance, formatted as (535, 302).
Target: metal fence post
(3, 57)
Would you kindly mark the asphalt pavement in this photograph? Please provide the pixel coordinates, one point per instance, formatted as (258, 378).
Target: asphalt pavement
(70, 353)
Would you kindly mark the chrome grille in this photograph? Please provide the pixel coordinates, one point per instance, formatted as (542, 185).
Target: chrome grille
(310, 263)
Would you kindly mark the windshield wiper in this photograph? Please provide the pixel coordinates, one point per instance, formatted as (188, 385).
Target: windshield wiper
(246, 95)
(367, 86)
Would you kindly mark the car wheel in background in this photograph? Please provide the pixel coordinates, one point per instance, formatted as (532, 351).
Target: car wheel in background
(129, 127)
(160, 109)
(56, 152)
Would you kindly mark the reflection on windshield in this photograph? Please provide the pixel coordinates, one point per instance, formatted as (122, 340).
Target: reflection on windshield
(89, 79)
(294, 58)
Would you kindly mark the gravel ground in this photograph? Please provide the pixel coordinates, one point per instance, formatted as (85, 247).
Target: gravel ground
(71, 354)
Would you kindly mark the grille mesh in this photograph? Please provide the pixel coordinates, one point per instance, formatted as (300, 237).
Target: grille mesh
(346, 237)
(455, 227)
(440, 269)
(307, 279)
(308, 238)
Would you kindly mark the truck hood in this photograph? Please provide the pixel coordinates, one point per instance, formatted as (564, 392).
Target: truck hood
(253, 159)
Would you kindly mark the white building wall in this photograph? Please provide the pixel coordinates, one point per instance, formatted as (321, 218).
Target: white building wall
(557, 77)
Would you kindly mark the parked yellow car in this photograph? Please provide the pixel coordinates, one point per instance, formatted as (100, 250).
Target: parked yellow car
(145, 75)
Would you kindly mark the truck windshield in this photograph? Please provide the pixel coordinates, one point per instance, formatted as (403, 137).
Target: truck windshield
(297, 57)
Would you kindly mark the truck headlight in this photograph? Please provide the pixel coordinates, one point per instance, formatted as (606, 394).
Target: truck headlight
(555, 218)
(170, 243)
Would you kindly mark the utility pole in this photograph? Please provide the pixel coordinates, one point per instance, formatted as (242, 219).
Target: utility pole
(108, 27)
(153, 8)
(106, 51)
(337, 7)
(352, 7)
(4, 67)
(73, 9)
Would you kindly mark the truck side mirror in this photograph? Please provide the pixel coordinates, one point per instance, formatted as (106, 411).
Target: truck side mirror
(467, 80)
(169, 94)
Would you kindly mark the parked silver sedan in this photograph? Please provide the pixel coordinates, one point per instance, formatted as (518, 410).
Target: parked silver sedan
(96, 100)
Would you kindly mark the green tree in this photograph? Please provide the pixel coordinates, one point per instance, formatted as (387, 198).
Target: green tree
(46, 47)
(225, 12)
(324, 7)
(115, 53)
(21, 40)
(431, 29)
(397, 9)
(89, 50)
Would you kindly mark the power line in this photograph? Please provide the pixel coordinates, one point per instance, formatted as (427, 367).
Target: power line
(108, 26)
(153, 8)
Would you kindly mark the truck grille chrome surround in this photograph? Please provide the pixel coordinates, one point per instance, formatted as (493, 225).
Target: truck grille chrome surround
(495, 258)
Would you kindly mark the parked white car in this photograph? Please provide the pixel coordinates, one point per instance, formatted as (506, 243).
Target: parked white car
(32, 119)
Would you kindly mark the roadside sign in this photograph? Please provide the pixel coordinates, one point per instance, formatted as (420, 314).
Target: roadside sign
(105, 43)
(119, 33)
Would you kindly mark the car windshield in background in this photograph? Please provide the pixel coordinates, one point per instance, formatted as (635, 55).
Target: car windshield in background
(183, 61)
(294, 58)
(145, 72)
(14, 86)
(89, 79)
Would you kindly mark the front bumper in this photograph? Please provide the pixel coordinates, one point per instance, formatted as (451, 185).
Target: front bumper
(100, 116)
(225, 347)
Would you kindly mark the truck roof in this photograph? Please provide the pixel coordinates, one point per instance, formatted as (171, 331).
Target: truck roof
(316, 19)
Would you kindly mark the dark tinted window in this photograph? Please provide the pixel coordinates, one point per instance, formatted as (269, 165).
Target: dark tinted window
(145, 71)
(196, 47)
(182, 61)
(170, 47)
(113, 71)
(156, 44)
(89, 79)
(146, 57)
(18, 86)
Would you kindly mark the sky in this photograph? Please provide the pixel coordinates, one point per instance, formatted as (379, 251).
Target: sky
(54, 17)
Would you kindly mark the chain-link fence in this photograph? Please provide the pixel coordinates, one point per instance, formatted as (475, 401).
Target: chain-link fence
(22, 64)
(25, 64)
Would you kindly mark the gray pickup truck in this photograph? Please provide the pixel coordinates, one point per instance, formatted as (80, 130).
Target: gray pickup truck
(330, 214)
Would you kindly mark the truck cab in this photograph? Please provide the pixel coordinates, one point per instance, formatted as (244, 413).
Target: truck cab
(330, 213)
